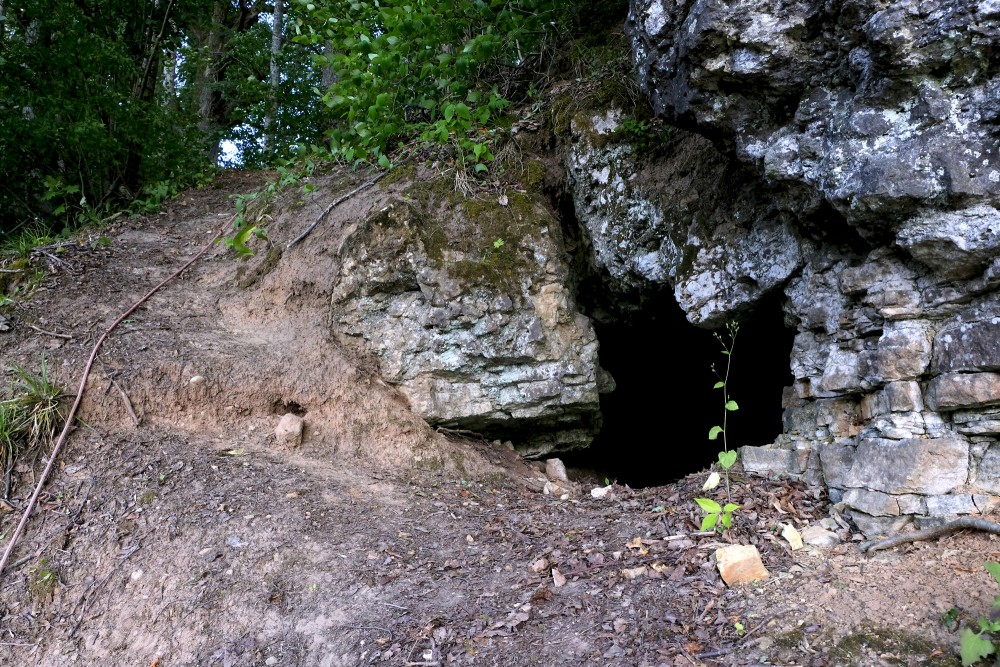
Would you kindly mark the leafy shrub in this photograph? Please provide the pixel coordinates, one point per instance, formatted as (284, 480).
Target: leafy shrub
(438, 70)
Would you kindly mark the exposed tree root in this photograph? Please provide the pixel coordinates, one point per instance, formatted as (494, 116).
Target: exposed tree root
(67, 426)
(964, 523)
(336, 202)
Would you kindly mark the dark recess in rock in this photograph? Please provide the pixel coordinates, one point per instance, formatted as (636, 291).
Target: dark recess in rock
(656, 422)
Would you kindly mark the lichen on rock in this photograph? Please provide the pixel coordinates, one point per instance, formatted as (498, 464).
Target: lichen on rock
(467, 310)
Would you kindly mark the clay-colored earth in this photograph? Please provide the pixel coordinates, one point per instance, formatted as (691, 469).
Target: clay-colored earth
(194, 538)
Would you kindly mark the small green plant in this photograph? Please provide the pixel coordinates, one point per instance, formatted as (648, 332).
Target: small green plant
(716, 516)
(975, 646)
(24, 241)
(44, 578)
(644, 135)
(496, 245)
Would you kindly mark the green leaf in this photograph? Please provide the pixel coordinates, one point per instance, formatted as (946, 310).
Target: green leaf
(708, 523)
(731, 406)
(727, 459)
(714, 433)
(708, 505)
(383, 161)
(719, 385)
(994, 569)
(730, 508)
(974, 647)
(727, 520)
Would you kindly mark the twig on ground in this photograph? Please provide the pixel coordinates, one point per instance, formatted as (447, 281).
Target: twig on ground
(68, 425)
(336, 202)
(128, 404)
(963, 523)
(396, 606)
(49, 333)
(767, 619)
(713, 654)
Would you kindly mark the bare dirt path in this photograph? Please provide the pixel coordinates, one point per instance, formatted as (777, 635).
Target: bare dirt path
(195, 539)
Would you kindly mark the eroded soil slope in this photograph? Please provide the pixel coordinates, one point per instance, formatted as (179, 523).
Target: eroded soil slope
(193, 538)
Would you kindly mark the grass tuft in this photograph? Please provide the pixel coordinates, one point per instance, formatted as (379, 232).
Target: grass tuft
(29, 417)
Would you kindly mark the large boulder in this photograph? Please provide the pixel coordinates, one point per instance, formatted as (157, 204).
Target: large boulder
(465, 304)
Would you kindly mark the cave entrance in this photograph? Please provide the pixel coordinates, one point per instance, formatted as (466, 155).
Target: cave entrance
(657, 420)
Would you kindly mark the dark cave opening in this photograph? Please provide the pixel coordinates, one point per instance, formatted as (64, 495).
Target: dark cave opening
(657, 420)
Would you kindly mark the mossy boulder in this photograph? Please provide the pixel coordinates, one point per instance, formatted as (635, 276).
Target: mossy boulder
(465, 304)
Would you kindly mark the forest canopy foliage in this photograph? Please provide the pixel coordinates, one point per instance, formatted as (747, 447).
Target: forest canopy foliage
(106, 106)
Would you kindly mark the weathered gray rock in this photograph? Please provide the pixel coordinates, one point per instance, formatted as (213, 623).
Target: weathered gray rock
(956, 244)
(680, 218)
(872, 502)
(963, 390)
(969, 342)
(768, 461)
(927, 466)
(988, 477)
(904, 396)
(478, 335)
(288, 432)
(876, 109)
(977, 422)
(872, 128)
(904, 350)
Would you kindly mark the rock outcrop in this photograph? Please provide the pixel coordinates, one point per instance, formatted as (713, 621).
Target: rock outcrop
(685, 217)
(874, 129)
(465, 305)
(881, 110)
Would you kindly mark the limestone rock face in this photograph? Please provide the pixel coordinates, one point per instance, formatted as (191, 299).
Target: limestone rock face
(870, 133)
(679, 219)
(467, 310)
(878, 109)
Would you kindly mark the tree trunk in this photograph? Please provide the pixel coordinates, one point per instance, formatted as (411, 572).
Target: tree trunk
(277, 30)
(170, 78)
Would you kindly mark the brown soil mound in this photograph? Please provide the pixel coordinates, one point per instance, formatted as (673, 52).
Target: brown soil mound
(195, 539)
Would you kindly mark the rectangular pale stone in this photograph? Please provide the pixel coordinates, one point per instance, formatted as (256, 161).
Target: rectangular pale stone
(840, 375)
(904, 396)
(968, 346)
(837, 461)
(975, 422)
(988, 477)
(771, 461)
(963, 390)
(904, 350)
(911, 504)
(872, 502)
(929, 466)
(840, 415)
(951, 504)
(873, 405)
